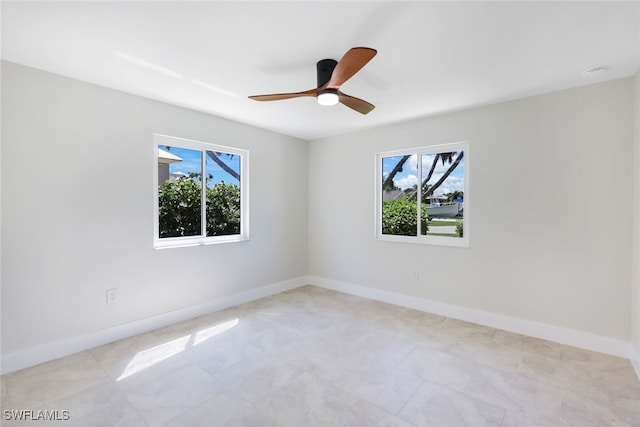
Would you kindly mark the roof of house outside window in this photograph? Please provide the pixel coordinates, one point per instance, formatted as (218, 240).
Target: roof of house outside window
(165, 157)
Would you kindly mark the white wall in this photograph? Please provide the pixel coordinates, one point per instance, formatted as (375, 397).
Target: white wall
(77, 200)
(77, 210)
(635, 299)
(551, 192)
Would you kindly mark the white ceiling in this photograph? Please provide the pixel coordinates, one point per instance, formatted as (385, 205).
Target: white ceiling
(433, 57)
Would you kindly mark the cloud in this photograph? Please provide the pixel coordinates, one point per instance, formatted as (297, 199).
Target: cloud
(451, 184)
(406, 181)
(412, 163)
(427, 161)
(408, 177)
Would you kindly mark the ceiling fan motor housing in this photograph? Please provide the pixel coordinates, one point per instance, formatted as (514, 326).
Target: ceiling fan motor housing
(325, 70)
(336, 73)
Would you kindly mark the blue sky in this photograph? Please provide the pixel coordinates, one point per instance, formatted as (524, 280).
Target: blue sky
(409, 175)
(191, 162)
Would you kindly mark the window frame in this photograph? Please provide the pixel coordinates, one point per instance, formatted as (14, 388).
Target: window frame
(203, 147)
(423, 239)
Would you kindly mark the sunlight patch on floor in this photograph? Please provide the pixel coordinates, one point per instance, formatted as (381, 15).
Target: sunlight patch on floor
(205, 334)
(152, 356)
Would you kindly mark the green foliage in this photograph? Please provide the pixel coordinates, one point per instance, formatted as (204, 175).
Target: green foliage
(180, 208)
(460, 228)
(399, 217)
(451, 197)
(223, 210)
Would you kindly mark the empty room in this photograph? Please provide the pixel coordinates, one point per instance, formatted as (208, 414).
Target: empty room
(335, 213)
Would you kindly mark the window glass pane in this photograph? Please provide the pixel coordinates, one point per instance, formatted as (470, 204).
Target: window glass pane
(179, 192)
(399, 204)
(223, 194)
(443, 193)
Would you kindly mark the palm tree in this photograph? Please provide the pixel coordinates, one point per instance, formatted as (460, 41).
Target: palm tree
(216, 158)
(428, 191)
(388, 184)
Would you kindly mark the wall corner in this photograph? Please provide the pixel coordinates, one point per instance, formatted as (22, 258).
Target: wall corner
(635, 254)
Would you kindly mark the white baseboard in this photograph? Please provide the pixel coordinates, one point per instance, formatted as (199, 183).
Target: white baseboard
(44, 353)
(35, 355)
(530, 328)
(635, 361)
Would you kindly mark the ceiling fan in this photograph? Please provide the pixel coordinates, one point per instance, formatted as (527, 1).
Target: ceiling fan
(331, 75)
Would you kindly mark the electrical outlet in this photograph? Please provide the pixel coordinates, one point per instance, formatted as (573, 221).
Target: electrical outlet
(112, 294)
(415, 275)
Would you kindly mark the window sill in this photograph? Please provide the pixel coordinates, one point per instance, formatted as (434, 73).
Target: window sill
(170, 243)
(460, 242)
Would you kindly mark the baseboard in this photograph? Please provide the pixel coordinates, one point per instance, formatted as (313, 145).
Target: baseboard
(635, 361)
(530, 328)
(44, 353)
(35, 355)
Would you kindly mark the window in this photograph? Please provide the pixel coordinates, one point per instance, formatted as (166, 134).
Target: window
(422, 195)
(201, 193)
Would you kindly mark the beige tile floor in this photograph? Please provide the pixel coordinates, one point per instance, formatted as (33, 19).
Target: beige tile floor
(314, 357)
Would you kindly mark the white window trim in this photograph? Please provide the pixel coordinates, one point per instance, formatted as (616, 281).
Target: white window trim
(174, 242)
(429, 240)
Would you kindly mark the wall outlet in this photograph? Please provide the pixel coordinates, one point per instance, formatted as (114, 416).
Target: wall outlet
(415, 275)
(112, 295)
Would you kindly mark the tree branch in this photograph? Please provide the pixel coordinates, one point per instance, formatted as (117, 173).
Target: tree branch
(388, 182)
(214, 156)
(445, 176)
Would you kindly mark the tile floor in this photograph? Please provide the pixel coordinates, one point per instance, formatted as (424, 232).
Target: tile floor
(314, 357)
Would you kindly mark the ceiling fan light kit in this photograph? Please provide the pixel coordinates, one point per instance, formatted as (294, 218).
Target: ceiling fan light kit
(328, 97)
(332, 74)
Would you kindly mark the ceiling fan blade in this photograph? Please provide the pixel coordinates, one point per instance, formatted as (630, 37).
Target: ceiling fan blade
(357, 104)
(351, 63)
(279, 96)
